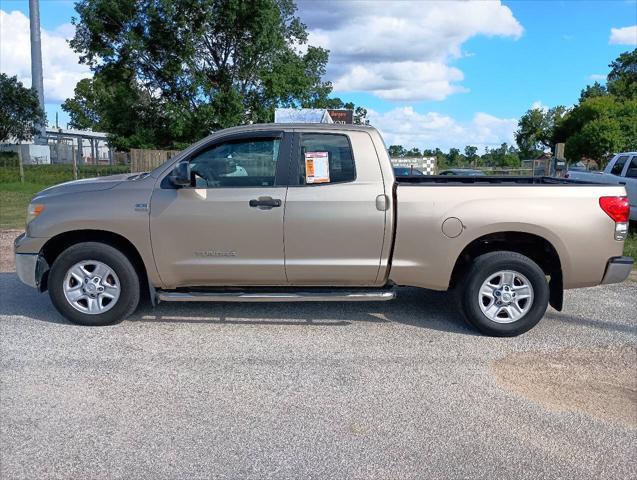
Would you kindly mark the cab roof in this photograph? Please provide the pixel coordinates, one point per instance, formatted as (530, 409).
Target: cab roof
(294, 126)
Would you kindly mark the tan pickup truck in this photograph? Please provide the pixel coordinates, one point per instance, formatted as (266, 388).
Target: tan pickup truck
(278, 212)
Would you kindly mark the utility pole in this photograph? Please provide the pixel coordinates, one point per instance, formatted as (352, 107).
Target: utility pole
(37, 83)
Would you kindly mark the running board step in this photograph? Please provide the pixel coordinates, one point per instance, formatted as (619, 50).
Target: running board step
(309, 296)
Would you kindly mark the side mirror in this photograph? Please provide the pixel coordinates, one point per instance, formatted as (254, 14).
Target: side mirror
(181, 175)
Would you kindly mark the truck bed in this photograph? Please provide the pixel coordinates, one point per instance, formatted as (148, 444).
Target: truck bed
(488, 180)
(437, 223)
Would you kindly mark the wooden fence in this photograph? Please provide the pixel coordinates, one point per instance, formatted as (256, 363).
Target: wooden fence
(146, 160)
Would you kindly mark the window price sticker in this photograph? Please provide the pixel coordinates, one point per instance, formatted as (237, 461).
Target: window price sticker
(317, 167)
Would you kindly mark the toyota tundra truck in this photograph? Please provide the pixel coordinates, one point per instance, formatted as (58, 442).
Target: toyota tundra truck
(310, 212)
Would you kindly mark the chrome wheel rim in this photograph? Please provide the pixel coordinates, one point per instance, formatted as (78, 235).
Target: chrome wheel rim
(91, 287)
(505, 296)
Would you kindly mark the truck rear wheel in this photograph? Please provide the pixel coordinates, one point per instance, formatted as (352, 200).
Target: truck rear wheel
(93, 284)
(505, 294)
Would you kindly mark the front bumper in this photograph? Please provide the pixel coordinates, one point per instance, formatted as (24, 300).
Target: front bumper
(25, 265)
(31, 267)
(617, 270)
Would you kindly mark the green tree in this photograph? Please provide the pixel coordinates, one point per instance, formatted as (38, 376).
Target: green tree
(360, 113)
(536, 130)
(413, 152)
(603, 122)
(20, 111)
(499, 155)
(360, 116)
(511, 158)
(112, 101)
(192, 66)
(487, 159)
(441, 157)
(504, 156)
(622, 79)
(471, 153)
(594, 90)
(396, 151)
(598, 127)
(453, 157)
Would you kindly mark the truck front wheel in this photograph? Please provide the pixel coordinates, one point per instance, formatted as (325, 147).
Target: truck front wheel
(93, 284)
(505, 294)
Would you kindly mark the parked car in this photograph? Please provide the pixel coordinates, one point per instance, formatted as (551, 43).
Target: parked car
(621, 170)
(406, 171)
(318, 216)
(469, 172)
(579, 167)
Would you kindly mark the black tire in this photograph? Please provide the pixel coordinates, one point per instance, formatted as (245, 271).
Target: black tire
(113, 258)
(482, 268)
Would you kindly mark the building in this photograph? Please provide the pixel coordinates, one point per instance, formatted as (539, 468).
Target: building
(63, 146)
(86, 146)
(32, 154)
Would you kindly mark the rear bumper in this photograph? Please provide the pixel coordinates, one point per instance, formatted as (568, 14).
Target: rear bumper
(617, 270)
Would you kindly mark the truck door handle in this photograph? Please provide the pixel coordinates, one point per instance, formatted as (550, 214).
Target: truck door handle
(265, 203)
(622, 183)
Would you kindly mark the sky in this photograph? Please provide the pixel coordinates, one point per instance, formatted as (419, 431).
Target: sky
(431, 74)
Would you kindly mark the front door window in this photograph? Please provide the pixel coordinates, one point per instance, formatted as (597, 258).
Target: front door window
(243, 163)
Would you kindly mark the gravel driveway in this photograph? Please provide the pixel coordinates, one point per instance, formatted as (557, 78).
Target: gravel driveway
(391, 390)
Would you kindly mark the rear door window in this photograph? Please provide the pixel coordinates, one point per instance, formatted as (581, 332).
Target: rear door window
(325, 158)
(631, 172)
(619, 165)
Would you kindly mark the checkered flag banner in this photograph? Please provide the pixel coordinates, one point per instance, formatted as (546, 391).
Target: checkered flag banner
(426, 165)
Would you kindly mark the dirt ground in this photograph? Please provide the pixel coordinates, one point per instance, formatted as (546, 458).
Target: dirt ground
(6, 249)
(600, 381)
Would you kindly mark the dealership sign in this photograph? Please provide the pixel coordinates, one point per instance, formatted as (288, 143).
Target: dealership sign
(341, 116)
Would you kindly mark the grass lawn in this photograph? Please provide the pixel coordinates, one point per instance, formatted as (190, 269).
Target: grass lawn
(630, 247)
(14, 198)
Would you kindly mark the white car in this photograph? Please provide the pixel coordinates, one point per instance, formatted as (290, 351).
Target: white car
(621, 170)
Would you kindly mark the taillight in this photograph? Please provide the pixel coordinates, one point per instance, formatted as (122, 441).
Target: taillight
(616, 208)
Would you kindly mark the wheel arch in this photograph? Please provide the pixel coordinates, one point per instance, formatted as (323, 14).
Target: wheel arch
(536, 247)
(57, 244)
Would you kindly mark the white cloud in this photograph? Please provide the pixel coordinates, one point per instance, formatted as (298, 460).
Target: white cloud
(597, 77)
(404, 126)
(401, 50)
(60, 64)
(402, 80)
(623, 36)
(538, 105)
